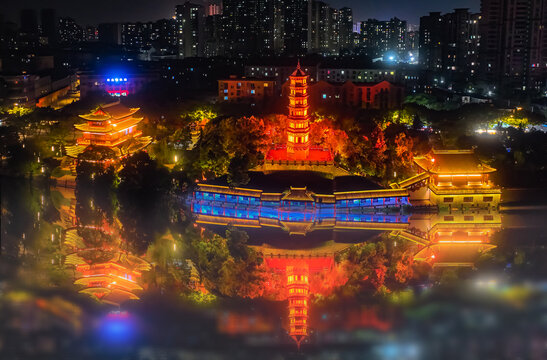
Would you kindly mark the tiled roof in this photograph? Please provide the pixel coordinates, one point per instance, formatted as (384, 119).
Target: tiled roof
(452, 162)
(113, 111)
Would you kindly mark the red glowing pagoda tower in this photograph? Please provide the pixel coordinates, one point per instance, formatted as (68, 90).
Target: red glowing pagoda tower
(297, 271)
(298, 288)
(298, 128)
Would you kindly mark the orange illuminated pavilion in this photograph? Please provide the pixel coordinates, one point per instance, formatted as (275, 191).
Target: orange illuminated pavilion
(112, 125)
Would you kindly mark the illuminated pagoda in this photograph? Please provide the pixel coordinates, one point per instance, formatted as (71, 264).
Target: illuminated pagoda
(298, 288)
(298, 129)
(113, 126)
(297, 272)
(452, 178)
(298, 124)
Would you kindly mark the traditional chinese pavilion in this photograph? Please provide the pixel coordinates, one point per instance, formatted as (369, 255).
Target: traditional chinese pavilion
(298, 125)
(452, 179)
(114, 126)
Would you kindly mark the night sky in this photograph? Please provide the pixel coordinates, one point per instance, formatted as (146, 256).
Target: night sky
(95, 11)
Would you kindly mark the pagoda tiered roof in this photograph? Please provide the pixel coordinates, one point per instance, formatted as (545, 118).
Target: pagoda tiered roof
(113, 111)
(113, 126)
(121, 125)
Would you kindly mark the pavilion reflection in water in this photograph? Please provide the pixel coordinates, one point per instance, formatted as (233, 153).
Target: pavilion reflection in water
(455, 239)
(104, 268)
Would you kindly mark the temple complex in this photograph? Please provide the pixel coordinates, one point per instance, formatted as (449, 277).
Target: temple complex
(451, 179)
(113, 126)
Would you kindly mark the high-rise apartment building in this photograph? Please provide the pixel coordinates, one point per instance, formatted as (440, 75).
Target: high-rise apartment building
(345, 28)
(164, 35)
(110, 33)
(514, 43)
(329, 30)
(381, 38)
(295, 26)
(69, 31)
(137, 35)
(449, 45)
(323, 28)
(190, 23)
(50, 25)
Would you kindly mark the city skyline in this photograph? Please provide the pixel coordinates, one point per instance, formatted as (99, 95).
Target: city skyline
(141, 10)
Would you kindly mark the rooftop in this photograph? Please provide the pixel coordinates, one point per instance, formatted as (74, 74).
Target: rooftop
(298, 71)
(115, 110)
(452, 162)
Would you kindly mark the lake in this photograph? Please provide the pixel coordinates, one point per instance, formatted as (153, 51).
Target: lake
(88, 274)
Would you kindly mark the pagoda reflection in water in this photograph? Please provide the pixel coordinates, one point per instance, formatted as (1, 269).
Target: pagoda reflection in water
(104, 268)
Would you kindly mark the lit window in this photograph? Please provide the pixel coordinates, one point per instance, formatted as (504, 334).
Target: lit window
(226, 98)
(252, 91)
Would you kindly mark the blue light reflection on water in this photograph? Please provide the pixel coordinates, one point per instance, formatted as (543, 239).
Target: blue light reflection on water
(117, 328)
(293, 214)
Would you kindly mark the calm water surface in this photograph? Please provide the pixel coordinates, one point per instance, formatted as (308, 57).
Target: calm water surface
(89, 275)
